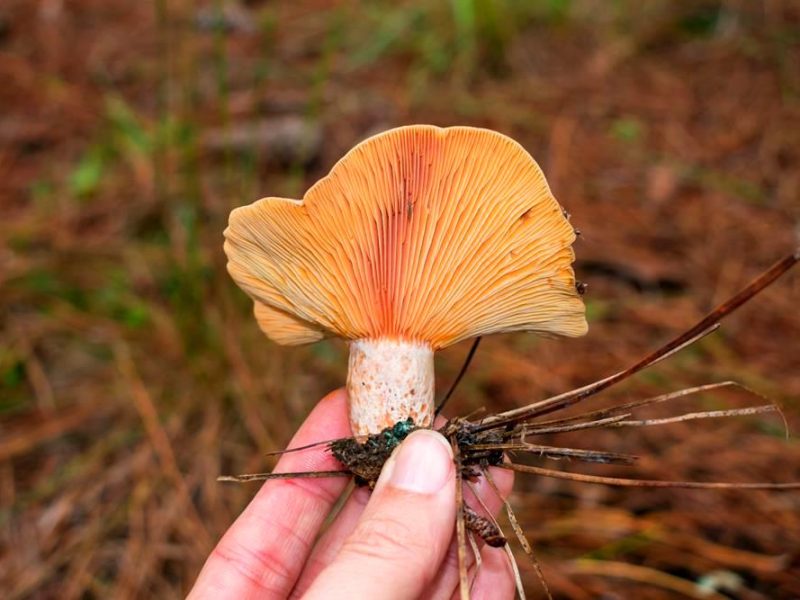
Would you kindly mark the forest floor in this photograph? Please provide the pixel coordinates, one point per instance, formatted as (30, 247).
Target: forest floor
(132, 373)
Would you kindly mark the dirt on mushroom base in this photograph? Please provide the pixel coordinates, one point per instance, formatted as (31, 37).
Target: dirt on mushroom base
(365, 459)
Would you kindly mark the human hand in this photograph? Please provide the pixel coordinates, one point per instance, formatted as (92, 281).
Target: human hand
(395, 543)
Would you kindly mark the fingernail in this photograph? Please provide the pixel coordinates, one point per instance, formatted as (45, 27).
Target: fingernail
(422, 464)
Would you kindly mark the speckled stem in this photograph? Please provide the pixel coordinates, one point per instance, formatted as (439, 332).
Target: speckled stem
(389, 381)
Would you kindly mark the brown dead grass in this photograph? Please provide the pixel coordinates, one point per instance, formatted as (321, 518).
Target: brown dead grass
(132, 374)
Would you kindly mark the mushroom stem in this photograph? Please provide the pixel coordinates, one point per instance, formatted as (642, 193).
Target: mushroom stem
(389, 381)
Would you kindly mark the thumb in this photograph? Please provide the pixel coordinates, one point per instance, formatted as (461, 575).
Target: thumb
(405, 530)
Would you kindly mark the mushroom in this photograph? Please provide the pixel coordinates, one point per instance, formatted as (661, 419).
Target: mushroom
(419, 237)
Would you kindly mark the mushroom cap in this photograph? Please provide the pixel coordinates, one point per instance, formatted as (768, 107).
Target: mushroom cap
(418, 233)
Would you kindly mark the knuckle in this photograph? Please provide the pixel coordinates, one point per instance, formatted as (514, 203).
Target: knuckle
(387, 538)
(267, 572)
(450, 562)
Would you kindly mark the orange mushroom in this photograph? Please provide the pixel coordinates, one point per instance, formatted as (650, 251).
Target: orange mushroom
(418, 238)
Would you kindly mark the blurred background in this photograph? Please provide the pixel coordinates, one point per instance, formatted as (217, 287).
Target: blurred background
(132, 373)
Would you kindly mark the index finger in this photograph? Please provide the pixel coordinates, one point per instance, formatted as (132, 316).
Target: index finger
(265, 549)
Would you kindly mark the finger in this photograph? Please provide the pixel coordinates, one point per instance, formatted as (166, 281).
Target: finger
(265, 549)
(495, 579)
(446, 581)
(329, 545)
(405, 530)
(331, 542)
